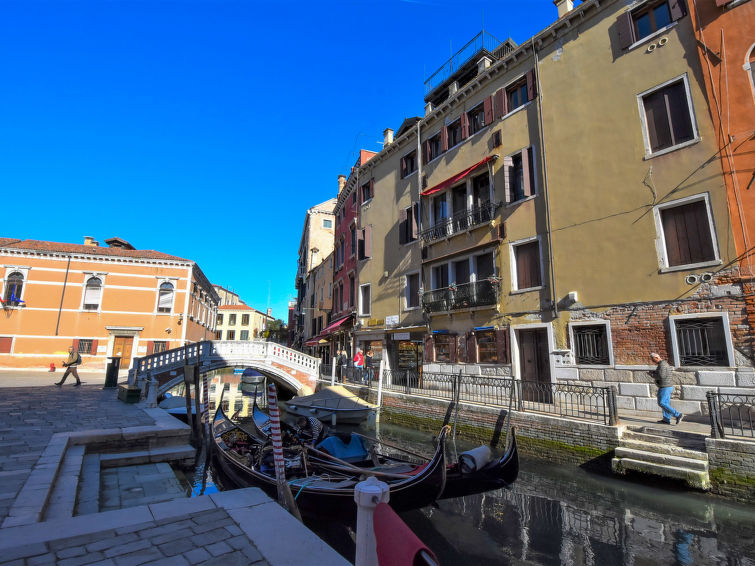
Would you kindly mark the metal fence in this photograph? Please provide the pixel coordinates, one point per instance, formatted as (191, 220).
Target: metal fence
(731, 415)
(565, 400)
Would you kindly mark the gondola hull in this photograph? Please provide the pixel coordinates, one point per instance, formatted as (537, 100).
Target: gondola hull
(495, 475)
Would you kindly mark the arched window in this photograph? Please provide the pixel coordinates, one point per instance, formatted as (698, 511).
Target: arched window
(92, 294)
(165, 299)
(14, 284)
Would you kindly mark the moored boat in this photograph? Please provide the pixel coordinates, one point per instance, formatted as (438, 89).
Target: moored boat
(333, 400)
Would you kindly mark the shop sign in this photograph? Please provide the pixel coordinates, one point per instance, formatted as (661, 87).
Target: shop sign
(391, 320)
(402, 336)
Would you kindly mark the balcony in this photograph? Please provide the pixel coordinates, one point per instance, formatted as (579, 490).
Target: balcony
(483, 293)
(460, 222)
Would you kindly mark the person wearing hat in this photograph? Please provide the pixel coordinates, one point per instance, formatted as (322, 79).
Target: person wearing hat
(663, 379)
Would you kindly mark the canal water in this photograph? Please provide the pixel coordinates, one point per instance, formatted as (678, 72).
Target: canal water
(557, 514)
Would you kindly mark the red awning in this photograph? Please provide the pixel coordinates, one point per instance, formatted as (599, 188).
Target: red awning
(334, 325)
(458, 177)
(313, 341)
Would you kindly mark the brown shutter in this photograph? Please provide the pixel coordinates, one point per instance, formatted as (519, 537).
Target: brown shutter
(444, 138)
(528, 265)
(403, 167)
(526, 173)
(471, 348)
(500, 94)
(415, 220)
(426, 148)
(360, 244)
(505, 102)
(487, 106)
(531, 85)
(367, 235)
(508, 189)
(452, 349)
(150, 347)
(624, 30)
(502, 345)
(5, 344)
(687, 234)
(75, 344)
(94, 348)
(464, 125)
(402, 219)
(677, 9)
(429, 349)
(372, 188)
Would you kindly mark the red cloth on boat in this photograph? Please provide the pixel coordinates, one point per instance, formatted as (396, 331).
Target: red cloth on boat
(396, 544)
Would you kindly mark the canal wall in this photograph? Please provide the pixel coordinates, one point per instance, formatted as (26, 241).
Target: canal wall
(541, 436)
(732, 468)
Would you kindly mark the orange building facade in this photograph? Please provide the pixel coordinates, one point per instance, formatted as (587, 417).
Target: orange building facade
(103, 301)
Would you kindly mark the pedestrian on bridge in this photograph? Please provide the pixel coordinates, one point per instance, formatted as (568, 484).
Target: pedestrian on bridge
(664, 380)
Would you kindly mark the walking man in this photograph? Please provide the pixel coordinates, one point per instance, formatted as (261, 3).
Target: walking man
(73, 361)
(663, 379)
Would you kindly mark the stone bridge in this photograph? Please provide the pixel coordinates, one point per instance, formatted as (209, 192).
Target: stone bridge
(291, 368)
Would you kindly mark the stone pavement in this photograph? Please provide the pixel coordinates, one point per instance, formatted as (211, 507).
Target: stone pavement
(41, 425)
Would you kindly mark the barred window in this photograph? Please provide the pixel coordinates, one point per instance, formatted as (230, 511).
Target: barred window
(159, 346)
(85, 346)
(591, 345)
(701, 342)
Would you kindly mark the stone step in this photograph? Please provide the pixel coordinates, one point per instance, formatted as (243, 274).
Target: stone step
(159, 454)
(665, 459)
(88, 500)
(693, 478)
(669, 434)
(62, 500)
(660, 448)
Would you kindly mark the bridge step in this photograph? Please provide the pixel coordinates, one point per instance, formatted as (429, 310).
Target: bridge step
(660, 448)
(696, 479)
(665, 459)
(153, 455)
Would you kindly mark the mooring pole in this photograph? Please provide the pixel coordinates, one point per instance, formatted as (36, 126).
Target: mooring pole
(285, 498)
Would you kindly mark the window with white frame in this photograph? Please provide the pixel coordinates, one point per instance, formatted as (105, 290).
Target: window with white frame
(327, 223)
(519, 175)
(165, 297)
(364, 299)
(411, 291)
(591, 344)
(649, 18)
(687, 233)
(667, 116)
(14, 287)
(92, 294)
(701, 340)
(526, 264)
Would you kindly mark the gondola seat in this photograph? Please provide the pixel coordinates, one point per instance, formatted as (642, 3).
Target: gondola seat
(354, 451)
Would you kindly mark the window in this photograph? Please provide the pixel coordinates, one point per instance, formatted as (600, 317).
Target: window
(667, 116)
(364, 243)
(92, 294)
(440, 276)
(527, 265)
(591, 344)
(353, 240)
(85, 346)
(231, 320)
(354, 198)
(408, 227)
(454, 133)
(648, 19)
(244, 335)
(343, 250)
(687, 231)
(368, 190)
(487, 348)
(445, 348)
(230, 335)
(440, 210)
(519, 177)
(484, 266)
(327, 223)
(364, 299)
(220, 318)
(14, 285)
(165, 298)
(481, 199)
(411, 291)
(476, 118)
(409, 163)
(244, 320)
(516, 94)
(433, 147)
(351, 290)
(159, 346)
(701, 341)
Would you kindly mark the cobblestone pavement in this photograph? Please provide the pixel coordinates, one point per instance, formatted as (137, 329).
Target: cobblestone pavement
(29, 416)
(129, 486)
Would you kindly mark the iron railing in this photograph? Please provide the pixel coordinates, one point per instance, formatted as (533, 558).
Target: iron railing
(460, 222)
(563, 399)
(462, 296)
(731, 415)
(482, 41)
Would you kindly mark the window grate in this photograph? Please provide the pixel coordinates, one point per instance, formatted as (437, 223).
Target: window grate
(701, 342)
(85, 346)
(591, 345)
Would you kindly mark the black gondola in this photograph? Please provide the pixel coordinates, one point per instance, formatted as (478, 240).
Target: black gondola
(321, 483)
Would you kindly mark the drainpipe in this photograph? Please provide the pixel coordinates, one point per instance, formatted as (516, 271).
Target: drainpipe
(546, 192)
(419, 205)
(62, 294)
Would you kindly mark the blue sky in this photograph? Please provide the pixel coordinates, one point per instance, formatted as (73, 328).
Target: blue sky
(205, 129)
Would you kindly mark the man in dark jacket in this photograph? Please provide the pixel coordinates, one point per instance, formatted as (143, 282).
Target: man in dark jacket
(664, 381)
(73, 361)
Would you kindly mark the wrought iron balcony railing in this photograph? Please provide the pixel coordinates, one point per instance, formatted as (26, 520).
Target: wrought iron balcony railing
(460, 222)
(462, 296)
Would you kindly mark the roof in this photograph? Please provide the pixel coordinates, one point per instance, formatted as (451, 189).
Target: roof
(43, 246)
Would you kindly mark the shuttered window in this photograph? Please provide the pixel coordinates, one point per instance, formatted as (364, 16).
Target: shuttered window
(454, 133)
(527, 258)
(445, 347)
(519, 175)
(649, 18)
(364, 242)
(165, 300)
(244, 320)
(667, 117)
(487, 352)
(476, 119)
(92, 294)
(412, 290)
(433, 147)
(408, 164)
(687, 233)
(230, 335)
(364, 299)
(408, 228)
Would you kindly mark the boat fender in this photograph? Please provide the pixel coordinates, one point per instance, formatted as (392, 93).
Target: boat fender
(475, 459)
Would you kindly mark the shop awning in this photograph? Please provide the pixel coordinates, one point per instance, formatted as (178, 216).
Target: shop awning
(458, 177)
(316, 341)
(333, 326)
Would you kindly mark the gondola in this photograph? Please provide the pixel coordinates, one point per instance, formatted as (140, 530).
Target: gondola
(322, 483)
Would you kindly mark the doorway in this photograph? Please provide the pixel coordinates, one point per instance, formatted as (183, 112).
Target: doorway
(122, 347)
(534, 366)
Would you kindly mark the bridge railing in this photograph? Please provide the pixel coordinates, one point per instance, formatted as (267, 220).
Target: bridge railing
(731, 415)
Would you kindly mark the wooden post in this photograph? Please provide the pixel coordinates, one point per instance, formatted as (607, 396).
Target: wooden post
(188, 379)
(285, 498)
(197, 404)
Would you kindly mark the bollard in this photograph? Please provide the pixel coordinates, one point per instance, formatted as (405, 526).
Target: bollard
(367, 495)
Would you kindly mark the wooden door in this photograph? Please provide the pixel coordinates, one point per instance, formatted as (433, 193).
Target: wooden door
(534, 368)
(122, 347)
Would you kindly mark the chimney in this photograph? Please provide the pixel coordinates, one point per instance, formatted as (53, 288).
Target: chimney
(341, 183)
(387, 137)
(269, 312)
(483, 64)
(564, 7)
(91, 242)
(429, 108)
